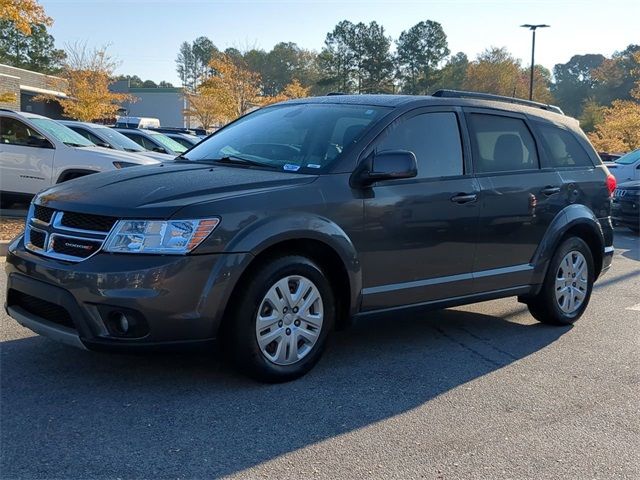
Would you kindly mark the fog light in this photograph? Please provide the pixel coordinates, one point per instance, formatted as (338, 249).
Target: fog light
(123, 323)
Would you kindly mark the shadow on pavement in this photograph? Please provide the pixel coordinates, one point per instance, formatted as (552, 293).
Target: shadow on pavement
(68, 413)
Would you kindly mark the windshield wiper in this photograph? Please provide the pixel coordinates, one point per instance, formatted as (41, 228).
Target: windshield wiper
(235, 160)
(71, 144)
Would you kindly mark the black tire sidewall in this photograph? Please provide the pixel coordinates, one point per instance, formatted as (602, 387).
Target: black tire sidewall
(245, 349)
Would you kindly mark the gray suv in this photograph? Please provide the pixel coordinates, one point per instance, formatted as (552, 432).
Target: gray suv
(301, 216)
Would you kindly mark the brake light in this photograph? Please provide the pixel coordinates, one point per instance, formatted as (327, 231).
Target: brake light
(611, 184)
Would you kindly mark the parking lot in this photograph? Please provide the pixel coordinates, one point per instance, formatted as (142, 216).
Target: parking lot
(476, 392)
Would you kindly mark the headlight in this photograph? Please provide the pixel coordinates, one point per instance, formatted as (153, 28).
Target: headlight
(120, 165)
(175, 237)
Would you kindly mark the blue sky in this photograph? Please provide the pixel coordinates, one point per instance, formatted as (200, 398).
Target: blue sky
(145, 34)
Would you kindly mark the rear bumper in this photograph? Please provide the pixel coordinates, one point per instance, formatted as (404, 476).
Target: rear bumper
(167, 300)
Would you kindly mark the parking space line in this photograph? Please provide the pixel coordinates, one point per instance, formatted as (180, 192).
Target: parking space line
(635, 307)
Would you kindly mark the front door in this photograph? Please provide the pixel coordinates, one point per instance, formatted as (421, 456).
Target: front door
(420, 232)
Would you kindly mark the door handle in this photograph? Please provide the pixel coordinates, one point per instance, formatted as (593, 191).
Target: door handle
(550, 190)
(464, 198)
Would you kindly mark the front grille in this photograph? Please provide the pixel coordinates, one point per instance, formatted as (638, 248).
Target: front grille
(40, 308)
(43, 214)
(37, 238)
(82, 221)
(75, 247)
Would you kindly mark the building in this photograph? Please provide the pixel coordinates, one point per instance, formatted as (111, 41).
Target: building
(25, 85)
(165, 104)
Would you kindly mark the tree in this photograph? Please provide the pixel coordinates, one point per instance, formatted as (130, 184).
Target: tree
(34, 51)
(204, 106)
(356, 58)
(185, 66)
(293, 90)
(574, 82)
(592, 114)
(496, 71)
(233, 87)
(24, 14)
(616, 76)
(88, 73)
(419, 51)
(453, 74)
(619, 130)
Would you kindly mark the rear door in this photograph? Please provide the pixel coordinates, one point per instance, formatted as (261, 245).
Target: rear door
(518, 199)
(26, 158)
(420, 232)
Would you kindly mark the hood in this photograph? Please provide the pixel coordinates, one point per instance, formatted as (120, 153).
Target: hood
(161, 157)
(634, 185)
(115, 155)
(160, 191)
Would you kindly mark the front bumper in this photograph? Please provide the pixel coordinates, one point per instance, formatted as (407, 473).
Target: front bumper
(167, 300)
(626, 212)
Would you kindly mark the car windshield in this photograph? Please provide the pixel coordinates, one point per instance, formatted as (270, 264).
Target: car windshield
(629, 158)
(290, 137)
(62, 133)
(167, 142)
(119, 140)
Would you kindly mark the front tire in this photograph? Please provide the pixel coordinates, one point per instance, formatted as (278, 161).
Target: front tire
(567, 286)
(282, 317)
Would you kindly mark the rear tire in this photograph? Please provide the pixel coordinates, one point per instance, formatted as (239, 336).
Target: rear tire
(297, 322)
(567, 287)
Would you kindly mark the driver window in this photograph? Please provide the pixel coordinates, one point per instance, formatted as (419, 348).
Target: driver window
(14, 132)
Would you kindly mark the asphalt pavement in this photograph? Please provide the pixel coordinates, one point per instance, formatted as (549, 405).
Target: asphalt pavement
(477, 392)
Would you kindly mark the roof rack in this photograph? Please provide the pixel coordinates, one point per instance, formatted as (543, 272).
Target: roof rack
(497, 98)
(331, 94)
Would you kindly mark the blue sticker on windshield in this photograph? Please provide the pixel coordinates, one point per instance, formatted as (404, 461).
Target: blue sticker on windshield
(291, 167)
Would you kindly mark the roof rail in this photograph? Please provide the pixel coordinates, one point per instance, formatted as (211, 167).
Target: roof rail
(331, 94)
(3, 109)
(497, 98)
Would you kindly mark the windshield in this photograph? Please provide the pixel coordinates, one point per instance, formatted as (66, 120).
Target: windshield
(62, 133)
(629, 158)
(167, 142)
(119, 140)
(295, 137)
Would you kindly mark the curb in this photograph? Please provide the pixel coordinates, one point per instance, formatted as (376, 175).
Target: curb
(4, 245)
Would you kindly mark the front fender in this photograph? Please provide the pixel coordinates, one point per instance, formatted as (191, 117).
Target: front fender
(271, 231)
(568, 218)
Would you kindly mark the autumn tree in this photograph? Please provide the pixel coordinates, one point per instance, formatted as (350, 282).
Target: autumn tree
(574, 82)
(419, 52)
(453, 74)
(203, 106)
(24, 14)
(294, 90)
(233, 88)
(619, 130)
(497, 71)
(88, 73)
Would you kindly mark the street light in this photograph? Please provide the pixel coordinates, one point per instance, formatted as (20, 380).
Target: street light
(533, 51)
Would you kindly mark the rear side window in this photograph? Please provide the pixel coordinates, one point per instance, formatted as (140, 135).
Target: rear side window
(562, 148)
(89, 136)
(434, 138)
(501, 144)
(136, 138)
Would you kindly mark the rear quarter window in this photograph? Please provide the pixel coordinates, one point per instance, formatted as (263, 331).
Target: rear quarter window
(562, 149)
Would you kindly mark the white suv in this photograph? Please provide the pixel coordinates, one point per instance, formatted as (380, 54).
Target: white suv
(36, 152)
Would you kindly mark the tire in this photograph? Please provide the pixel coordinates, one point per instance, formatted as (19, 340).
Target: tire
(573, 284)
(298, 324)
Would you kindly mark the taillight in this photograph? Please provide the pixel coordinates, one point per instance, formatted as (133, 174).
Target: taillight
(611, 184)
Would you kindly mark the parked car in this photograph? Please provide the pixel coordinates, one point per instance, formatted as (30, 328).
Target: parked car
(626, 205)
(609, 157)
(37, 152)
(106, 137)
(303, 215)
(153, 141)
(137, 122)
(627, 167)
(184, 139)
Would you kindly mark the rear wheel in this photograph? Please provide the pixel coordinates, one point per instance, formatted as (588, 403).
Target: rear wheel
(282, 320)
(567, 286)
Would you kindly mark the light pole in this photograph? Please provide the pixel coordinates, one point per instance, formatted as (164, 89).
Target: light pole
(533, 52)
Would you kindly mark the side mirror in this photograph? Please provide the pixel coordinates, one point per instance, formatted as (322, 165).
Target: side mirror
(38, 142)
(159, 150)
(386, 165)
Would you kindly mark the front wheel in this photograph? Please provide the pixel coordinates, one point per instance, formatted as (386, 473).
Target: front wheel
(567, 286)
(282, 319)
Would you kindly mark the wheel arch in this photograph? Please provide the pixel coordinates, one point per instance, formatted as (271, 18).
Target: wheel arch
(574, 220)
